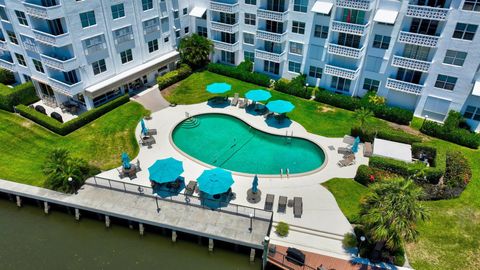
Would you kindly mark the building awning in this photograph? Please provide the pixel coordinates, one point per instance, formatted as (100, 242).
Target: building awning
(198, 12)
(131, 74)
(322, 7)
(476, 89)
(386, 16)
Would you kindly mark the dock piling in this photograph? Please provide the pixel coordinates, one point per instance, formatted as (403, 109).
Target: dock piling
(252, 255)
(141, 229)
(46, 208)
(107, 221)
(174, 236)
(19, 201)
(210, 244)
(77, 214)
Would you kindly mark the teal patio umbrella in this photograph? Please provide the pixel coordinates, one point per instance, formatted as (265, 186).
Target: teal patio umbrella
(126, 161)
(280, 106)
(255, 184)
(355, 145)
(258, 95)
(218, 88)
(215, 181)
(165, 170)
(144, 127)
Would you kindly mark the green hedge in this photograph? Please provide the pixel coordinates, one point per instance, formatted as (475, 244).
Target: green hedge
(241, 72)
(429, 151)
(458, 172)
(174, 76)
(363, 175)
(368, 134)
(21, 94)
(295, 87)
(74, 124)
(455, 135)
(6, 77)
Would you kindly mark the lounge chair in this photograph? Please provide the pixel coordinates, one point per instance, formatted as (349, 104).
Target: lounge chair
(347, 161)
(234, 100)
(269, 202)
(243, 103)
(147, 141)
(297, 207)
(190, 188)
(348, 139)
(151, 131)
(345, 150)
(282, 204)
(368, 150)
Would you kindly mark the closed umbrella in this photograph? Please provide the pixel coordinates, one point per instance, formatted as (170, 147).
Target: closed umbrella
(258, 95)
(215, 181)
(280, 106)
(126, 161)
(255, 184)
(144, 127)
(218, 88)
(355, 145)
(165, 170)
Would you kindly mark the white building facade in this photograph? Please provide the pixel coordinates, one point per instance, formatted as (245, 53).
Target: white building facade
(421, 55)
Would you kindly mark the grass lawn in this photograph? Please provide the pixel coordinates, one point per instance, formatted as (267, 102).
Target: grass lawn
(25, 145)
(449, 240)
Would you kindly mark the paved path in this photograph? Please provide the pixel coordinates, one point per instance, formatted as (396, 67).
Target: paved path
(152, 99)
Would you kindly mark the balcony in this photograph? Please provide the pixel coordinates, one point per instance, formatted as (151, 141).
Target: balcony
(223, 27)
(354, 4)
(224, 7)
(7, 65)
(229, 47)
(271, 15)
(350, 28)
(59, 64)
(65, 88)
(52, 40)
(409, 63)
(345, 51)
(270, 36)
(418, 39)
(341, 72)
(151, 29)
(42, 12)
(270, 56)
(402, 86)
(426, 12)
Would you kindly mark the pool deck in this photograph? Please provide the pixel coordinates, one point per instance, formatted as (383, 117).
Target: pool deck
(322, 225)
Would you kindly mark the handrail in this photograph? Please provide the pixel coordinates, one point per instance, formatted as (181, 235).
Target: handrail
(297, 264)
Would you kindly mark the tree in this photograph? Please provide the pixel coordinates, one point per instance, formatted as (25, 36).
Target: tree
(390, 212)
(6, 77)
(363, 115)
(195, 50)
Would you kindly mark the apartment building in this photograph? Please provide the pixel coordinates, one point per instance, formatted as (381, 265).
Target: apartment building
(420, 54)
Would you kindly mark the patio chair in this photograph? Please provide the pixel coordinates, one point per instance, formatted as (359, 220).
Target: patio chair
(347, 161)
(297, 207)
(348, 139)
(235, 100)
(243, 103)
(345, 150)
(368, 150)
(147, 141)
(151, 131)
(282, 204)
(190, 188)
(269, 202)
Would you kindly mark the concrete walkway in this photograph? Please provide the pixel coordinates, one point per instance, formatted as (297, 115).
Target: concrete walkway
(152, 99)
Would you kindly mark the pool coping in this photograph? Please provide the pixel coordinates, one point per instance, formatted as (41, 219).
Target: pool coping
(294, 175)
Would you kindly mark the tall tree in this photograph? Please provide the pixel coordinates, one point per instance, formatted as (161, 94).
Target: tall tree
(363, 115)
(391, 210)
(195, 50)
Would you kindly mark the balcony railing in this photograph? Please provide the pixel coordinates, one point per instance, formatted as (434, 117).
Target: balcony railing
(270, 56)
(7, 65)
(229, 47)
(223, 27)
(42, 12)
(151, 29)
(3, 45)
(341, 72)
(62, 65)
(49, 39)
(409, 63)
(418, 39)
(354, 4)
(224, 7)
(270, 36)
(402, 86)
(345, 51)
(426, 12)
(95, 48)
(65, 88)
(123, 38)
(350, 28)
(271, 15)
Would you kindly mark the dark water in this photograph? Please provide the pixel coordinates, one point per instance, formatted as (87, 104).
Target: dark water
(30, 239)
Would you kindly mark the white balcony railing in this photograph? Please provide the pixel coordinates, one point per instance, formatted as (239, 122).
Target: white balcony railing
(42, 12)
(271, 15)
(65, 88)
(350, 28)
(7, 65)
(409, 63)
(426, 12)
(3, 45)
(57, 41)
(418, 39)
(402, 86)
(270, 36)
(341, 72)
(346, 51)
(151, 29)
(95, 48)
(62, 65)
(223, 27)
(354, 4)
(229, 47)
(270, 56)
(224, 7)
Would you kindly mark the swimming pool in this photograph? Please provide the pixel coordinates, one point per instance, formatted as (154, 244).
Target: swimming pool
(227, 142)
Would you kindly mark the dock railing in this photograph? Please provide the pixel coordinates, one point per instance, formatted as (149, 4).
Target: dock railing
(290, 263)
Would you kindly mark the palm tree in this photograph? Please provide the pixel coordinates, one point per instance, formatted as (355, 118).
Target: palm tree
(391, 210)
(60, 166)
(195, 50)
(363, 115)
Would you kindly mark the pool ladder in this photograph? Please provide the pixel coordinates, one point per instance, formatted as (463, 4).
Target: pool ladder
(288, 138)
(287, 173)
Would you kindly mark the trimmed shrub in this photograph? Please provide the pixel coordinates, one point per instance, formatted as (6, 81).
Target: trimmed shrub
(457, 172)
(368, 135)
(241, 72)
(399, 257)
(74, 124)
(395, 166)
(349, 240)
(364, 175)
(338, 100)
(282, 229)
(6, 77)
(392, 114)
(295, 87)
(174, 76)
(21, 94)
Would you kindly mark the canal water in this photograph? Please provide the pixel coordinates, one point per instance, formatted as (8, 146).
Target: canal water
(29, 239)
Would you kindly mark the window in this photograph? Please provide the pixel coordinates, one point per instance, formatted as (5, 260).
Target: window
(122, 35)
(349, 40)
(38, 66)
(165, 39)
(12, 37)
(118, 11)
(147, 4)
(300, 5)
(202, 31)
(99, 66)
(228, 18)
(153, 45)
(88, 19)
(186, 30)
(185, 11)
(21, 59)
(177, 33)
(473, 5)
(228, 57)
(249, 56)
(321, 31)
(353, 16)
(381, 42)
(408, 75)
(416, 52)
(126, 56)
(465, 31)
(424, 26)
(455, 58)
(175, 14)
(294, 67)
(251, 2)
(271, 67)
(248, 38)
(296, 48)
(3, 14)
(371, 85)
(315, 72)
(445, 82)
(22, 19)
(250, 19)
(298, 27)
(472, 113)
(340, 84)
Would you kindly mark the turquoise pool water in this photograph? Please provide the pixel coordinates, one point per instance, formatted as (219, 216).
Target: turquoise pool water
(227, 142)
